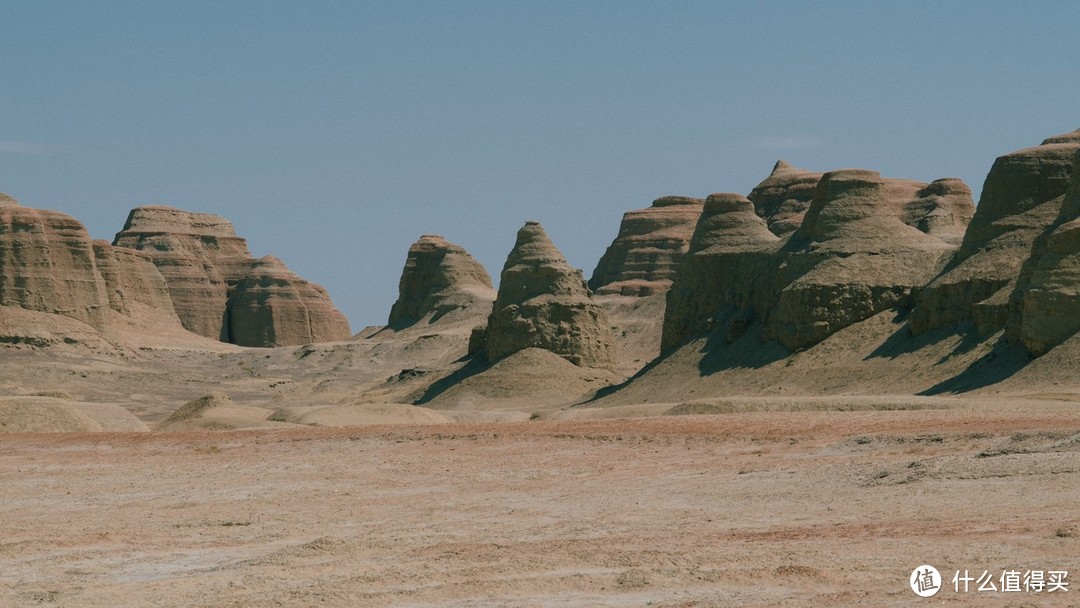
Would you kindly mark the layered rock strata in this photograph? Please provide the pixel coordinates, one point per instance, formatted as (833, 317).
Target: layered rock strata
(273, 306)
(1021, 197)
(205, 263)
(47, 264)
(726, 275)
(132, 279)
(851, 258)
(643, 258)
(545, 303)
(440, 279)
(783, 197)
(1044, 306)
(864, 244)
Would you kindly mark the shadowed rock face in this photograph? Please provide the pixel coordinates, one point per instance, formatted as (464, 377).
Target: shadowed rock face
(204, 264)
(725, 275)
(784, 197)
(47, 264)
(1021, 197)
(852, 258)
(854, 254)
(1044, 306)
(272, 306)
(643, 258)
(544, 303)
(131, 279)
(440, 278)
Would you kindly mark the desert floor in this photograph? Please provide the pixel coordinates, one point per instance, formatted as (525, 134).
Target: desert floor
(746, 509)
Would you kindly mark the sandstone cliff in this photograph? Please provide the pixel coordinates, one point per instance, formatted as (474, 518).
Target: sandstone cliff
(47, 264)
(545, 303)
(440, 279)
(727, 273)
(643, 258)
(852, 258)
(131, 280)
(863, 244)
(1021, 197)
(219, 291)
(784, 196)
(272, 306)
(1045, 305)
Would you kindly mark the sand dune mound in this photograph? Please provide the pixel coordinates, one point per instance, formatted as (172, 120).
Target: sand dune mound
(359, 414)
(52, 415)
(531, 379)
(217, 411)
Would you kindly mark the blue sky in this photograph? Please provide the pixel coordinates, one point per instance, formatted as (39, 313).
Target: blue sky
(333, 134)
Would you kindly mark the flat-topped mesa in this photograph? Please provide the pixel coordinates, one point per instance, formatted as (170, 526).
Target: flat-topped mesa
(723, 277)
(273, 306)
(1043, 307)
(852, 258)
(543, 302)
(209, 237)
(1021, 198)
(784, 196)
(135, 285)
(440, 279)
(47, 264)
(643, 257)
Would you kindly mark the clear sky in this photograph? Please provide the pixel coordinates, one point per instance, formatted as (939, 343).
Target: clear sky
(333, 134)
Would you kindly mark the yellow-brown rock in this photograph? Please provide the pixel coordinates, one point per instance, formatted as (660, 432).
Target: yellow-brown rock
(273, 306)
(643, 258)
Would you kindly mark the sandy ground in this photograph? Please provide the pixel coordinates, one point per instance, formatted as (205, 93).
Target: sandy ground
(743, 509)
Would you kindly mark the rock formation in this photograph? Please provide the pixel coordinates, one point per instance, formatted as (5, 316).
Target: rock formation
(861, 246)
(440, 278)
(1045, 303)
(942, 209)
(643, 257)
(132, 279)
(851, 258)
(47, 264)
(783, 197)
(1021, 197)
(545, 303)
(271, 306)
(204, 264)
(725, 274)
(184, 246)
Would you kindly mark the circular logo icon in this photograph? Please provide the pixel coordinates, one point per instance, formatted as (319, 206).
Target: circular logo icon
(925, 581)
